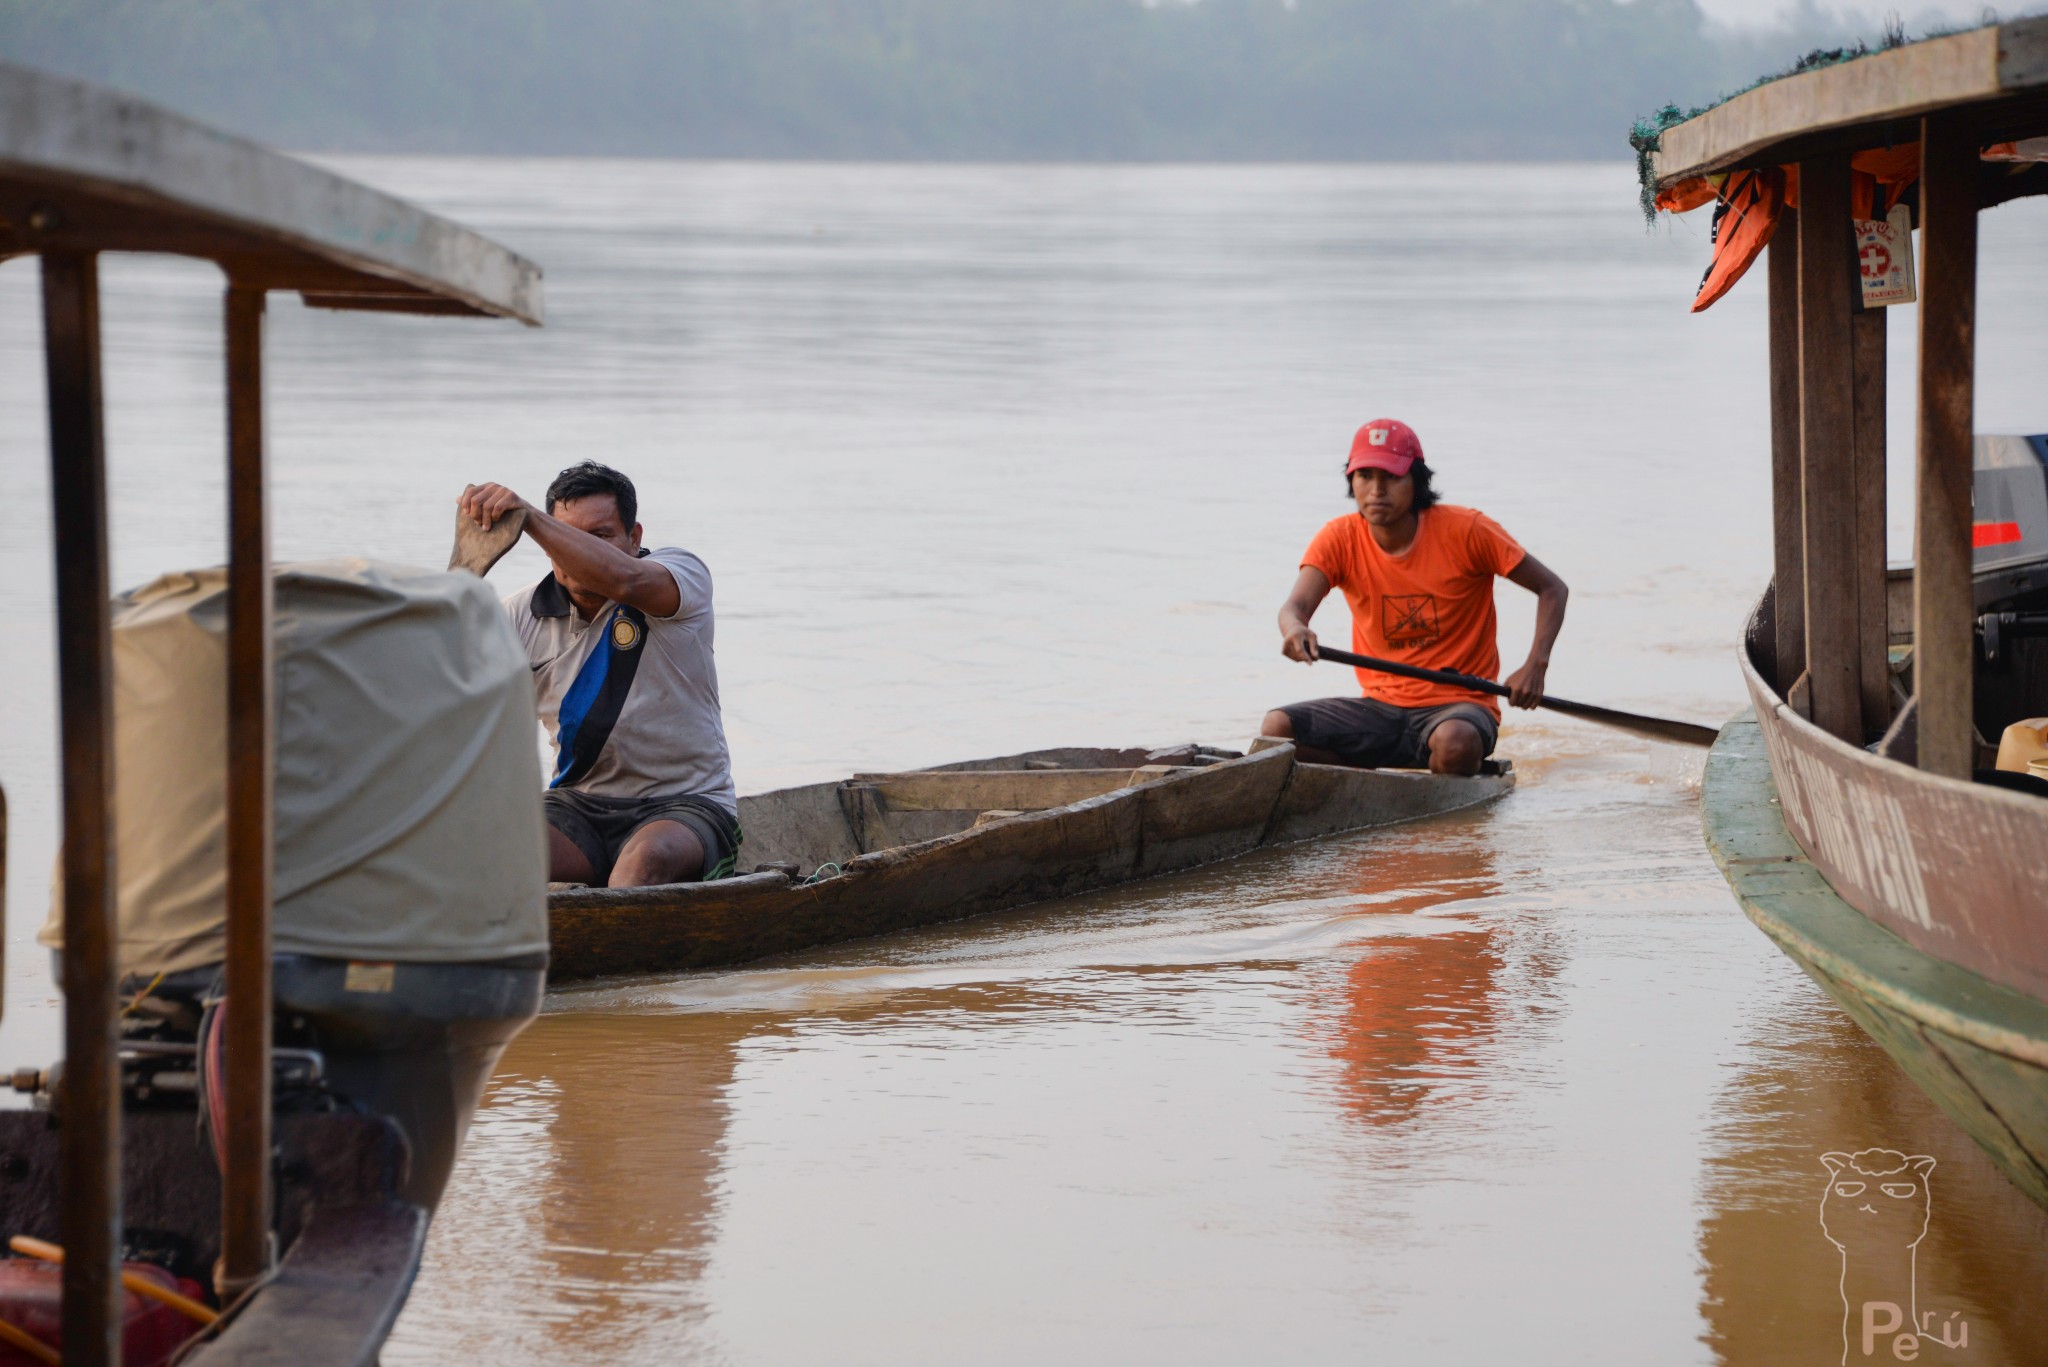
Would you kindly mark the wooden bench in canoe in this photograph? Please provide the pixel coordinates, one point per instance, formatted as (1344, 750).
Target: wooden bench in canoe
(915, 849)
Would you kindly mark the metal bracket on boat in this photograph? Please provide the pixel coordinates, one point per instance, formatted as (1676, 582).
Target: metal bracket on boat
(1997, 630)
(153, 1068)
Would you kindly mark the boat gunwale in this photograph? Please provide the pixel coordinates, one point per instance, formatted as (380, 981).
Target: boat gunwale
(1787, 717)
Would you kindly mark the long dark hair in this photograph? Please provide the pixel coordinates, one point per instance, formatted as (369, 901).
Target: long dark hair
(1426, 496)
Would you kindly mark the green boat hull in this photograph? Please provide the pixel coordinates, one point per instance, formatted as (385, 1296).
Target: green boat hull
(1979, 1049)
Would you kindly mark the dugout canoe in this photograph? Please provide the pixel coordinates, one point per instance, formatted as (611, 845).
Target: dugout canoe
(877, 853)
(1856, 808)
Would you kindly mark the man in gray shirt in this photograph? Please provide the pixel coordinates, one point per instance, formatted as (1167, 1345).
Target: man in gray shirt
(620, 640)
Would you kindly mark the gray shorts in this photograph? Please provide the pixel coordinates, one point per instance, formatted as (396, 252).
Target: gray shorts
(601, 826)
(1378, 735)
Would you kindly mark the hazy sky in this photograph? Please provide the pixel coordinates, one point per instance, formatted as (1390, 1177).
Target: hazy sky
(1954, 11)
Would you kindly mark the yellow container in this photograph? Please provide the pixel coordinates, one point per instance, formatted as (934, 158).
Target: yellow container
(2023, 744)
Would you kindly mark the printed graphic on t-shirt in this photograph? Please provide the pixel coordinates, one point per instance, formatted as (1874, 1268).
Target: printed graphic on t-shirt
(1409, 619)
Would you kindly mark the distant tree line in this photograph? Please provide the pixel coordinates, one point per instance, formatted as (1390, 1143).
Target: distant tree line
(1335, 80)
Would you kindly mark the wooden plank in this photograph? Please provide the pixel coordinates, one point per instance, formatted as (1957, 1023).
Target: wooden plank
(90, 1097)
(1788, 548)
(336, 1295)
(1867, 365)
(1959, 69)
(1323, 799)
(1827, 444)
(1944, 606)
(1024, 790)
(172, 174)
(246, 1253)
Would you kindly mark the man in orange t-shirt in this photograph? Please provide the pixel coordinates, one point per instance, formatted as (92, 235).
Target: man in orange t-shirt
(1418, 575)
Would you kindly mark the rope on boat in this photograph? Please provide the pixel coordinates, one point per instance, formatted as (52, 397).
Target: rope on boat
(819, 875)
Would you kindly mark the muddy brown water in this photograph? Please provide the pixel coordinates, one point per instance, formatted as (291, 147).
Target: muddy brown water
(992, 458)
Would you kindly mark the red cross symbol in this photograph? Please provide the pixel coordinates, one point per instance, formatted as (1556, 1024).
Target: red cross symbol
(1877, 261)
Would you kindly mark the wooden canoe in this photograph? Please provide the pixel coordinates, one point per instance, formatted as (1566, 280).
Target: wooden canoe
(885, 852)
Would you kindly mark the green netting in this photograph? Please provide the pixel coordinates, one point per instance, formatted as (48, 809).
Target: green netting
(1647, 132)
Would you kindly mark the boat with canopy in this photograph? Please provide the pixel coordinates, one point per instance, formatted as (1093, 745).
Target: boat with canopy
(1861, 809)
(254, 762)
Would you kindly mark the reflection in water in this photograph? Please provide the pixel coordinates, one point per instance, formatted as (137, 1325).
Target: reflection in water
(1813, 1084)
(1416, 1010)
(590, 1186)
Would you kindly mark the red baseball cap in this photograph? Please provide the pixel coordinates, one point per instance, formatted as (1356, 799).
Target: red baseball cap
(1384, 444)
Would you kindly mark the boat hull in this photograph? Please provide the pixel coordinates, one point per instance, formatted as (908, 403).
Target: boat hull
(1957, 870)
(1154, 824)
(1977, 1047)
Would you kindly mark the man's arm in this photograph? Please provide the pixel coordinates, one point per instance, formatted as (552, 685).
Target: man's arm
(1297, 641)
(1525, 685)
(593, 562)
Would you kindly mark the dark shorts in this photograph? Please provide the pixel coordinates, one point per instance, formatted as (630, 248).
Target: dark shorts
(1378, 735)
(601, 826)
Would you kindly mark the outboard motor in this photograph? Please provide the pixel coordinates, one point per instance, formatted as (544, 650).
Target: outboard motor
(2009, 536)
(410, 921)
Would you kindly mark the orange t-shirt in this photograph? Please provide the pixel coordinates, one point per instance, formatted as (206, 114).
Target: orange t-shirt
(1431, 605)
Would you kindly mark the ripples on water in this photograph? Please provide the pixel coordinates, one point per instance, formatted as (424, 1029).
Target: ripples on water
(991, 458)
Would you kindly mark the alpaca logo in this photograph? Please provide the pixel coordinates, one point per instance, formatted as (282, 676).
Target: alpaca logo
(1875, 1210)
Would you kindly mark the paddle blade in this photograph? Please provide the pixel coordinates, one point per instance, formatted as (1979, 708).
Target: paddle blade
(479, 548)
(1655, 728)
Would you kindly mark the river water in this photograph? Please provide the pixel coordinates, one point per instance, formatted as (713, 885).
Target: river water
(993, 458)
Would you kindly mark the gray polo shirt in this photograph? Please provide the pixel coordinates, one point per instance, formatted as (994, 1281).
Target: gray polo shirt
(668, 738)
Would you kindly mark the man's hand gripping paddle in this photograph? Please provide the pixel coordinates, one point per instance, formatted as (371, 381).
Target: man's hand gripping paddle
(1656, 728)
(479, 548)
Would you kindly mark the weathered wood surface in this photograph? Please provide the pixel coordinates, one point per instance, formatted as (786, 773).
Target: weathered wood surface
(251, 766)
(1827, 444)
(1978, 1048)
(352, 1249)
(1029, 790)
(90, 1173)
(1987, 64)
(1944, 653)
(1867, 368)
(1196, 815)
(1952, 868)
(1788, 530)
(87, 169)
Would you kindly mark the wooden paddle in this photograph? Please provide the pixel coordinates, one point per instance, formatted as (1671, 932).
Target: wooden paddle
(1656, 728)
(479, 548)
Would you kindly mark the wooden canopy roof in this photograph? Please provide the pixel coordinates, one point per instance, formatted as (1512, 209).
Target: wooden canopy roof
(86, 169)
(1999, 72)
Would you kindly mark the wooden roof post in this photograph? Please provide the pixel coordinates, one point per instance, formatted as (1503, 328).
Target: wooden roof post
(1787, 545)
(1944, 608)
(89, 1096)
(246, 1251)
(1873, 670)
(1827, 445)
